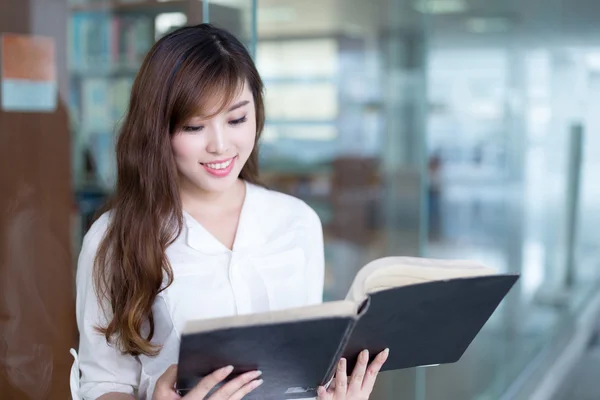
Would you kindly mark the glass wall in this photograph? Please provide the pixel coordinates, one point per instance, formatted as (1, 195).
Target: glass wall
(345, 90)
(509, 92)
(344, 104)
(449, 129)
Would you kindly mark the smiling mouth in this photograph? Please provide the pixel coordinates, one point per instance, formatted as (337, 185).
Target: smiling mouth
(219, 165)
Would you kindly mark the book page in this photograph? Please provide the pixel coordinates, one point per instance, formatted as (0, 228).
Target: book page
(325, 310)
(389, 272)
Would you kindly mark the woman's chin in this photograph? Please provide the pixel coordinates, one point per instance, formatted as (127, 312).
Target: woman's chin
(217, 184)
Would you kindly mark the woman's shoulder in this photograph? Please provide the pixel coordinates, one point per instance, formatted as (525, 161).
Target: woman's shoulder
(89, 247)
(96, 232)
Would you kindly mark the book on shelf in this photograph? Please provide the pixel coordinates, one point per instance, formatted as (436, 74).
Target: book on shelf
(426, 311)
(95, 106)
(105, 42)
(104, 102)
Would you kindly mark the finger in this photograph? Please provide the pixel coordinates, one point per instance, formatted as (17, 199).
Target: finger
(209, 382)
(230, 388)
(341, 379)
(356, 380)
(373, 370)
(247, 388)
(322, 393)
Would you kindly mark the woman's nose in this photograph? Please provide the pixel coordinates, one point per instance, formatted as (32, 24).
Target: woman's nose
(216, 142)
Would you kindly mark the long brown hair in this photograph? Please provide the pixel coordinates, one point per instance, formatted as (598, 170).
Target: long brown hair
(183, 71)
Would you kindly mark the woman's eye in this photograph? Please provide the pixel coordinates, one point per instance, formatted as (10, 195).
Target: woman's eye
(238, 121)
(191, 128)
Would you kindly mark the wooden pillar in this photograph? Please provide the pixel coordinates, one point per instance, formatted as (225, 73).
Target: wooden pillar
(37, 315)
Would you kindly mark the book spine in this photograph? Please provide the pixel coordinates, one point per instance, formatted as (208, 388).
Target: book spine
(340, 351)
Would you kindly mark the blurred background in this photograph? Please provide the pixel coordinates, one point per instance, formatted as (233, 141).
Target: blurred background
(436, 128)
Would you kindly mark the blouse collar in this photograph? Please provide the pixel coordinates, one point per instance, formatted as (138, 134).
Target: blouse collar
(249, 232)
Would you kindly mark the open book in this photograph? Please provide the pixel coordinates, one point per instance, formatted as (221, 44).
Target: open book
(425, 311)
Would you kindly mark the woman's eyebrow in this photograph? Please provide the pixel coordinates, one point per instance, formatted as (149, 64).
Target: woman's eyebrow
(238, 105)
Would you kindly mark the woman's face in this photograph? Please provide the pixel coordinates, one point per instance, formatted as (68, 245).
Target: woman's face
(210, 153)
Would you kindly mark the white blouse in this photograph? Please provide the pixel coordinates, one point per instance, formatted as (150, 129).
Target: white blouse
(277, 262)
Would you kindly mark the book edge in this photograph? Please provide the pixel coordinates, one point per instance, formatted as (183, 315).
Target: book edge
(337, 309)
(357, 290)
(515, 277)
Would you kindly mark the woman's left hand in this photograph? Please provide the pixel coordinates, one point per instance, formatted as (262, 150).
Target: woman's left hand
(361, 381)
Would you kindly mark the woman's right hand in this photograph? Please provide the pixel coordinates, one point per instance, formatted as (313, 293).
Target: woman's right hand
(235, 389)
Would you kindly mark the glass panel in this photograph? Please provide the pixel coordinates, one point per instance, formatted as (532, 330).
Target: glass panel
(504, 106)
(584, 66)
(237, 16)
(477, 144)
(345, 132)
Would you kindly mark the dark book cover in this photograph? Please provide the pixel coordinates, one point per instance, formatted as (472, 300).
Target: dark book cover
(422, 324)
(295, 357)
(428, 323)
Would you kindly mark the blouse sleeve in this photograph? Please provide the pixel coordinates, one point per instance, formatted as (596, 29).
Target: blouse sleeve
(315, 259)
(104, 369)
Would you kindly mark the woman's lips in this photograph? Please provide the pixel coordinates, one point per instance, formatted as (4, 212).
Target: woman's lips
(220, 168)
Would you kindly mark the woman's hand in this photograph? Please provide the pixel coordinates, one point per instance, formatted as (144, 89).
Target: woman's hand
(233, 390)
(361, 382)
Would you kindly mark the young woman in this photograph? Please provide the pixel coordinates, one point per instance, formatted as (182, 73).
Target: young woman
(190, 232)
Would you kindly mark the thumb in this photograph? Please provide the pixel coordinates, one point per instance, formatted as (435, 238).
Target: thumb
(168, 378)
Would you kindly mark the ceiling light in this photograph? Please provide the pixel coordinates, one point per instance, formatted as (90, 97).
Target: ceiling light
(488, 25)
(276, 14)
(593, 61)
(441, 6)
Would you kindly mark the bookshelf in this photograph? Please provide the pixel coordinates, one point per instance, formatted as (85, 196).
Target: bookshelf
(127, 6)
(108, 40)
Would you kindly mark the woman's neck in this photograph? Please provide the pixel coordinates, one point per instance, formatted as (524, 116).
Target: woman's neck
(198, 201)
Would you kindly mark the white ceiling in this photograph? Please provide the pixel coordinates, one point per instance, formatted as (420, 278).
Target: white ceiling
(483, 21)
(321, 17)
